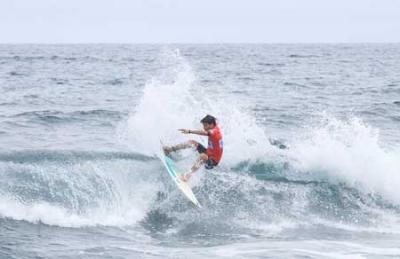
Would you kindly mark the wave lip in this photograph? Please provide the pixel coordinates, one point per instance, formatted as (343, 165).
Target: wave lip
(76, 188)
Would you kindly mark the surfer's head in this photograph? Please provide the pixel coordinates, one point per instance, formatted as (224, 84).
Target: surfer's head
(208, 122)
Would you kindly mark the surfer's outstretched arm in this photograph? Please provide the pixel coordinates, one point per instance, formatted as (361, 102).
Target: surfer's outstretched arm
(197, 132)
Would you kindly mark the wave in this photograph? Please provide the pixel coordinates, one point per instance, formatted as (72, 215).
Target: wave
(74, 188)
(333, 173)
(236, 204)
(24, 58)
(332, 169)
(252, 197)
(349, 151)
(55, 117)
(38, 156)
(303, 56)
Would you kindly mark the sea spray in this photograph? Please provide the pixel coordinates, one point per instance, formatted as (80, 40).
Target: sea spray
(350, 151)
(176, 100)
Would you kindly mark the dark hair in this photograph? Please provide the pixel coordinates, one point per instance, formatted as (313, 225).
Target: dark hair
(209, 120)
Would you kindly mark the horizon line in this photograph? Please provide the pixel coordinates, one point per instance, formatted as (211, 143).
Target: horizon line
(194, 43)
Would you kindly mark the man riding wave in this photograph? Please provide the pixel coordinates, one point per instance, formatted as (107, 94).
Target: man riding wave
(209, 156)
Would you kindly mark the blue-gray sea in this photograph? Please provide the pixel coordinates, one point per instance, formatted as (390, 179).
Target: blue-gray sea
(311, 165)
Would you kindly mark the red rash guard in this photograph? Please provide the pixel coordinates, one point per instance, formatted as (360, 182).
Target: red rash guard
(215, 144)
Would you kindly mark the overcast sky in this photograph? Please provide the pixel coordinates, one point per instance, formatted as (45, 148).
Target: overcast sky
(199, 21)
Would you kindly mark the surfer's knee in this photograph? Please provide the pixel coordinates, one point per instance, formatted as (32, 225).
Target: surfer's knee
(203, 157)
(193, 143)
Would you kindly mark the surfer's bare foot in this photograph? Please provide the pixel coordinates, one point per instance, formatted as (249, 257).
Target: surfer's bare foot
(185, 177)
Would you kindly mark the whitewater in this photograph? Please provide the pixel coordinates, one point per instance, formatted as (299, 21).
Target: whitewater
(311, 165)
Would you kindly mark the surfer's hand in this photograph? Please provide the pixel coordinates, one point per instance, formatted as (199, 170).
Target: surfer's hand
(184, 131)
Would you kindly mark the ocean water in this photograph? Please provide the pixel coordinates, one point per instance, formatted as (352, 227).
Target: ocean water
(311, 165)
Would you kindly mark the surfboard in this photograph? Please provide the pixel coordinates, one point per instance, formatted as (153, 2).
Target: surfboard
(183, 186)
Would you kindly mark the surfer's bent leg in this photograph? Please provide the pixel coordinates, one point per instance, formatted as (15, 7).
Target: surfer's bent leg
(201, 158)
(199, 162)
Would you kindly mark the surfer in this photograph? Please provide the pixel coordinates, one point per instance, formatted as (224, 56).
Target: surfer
(209, 156)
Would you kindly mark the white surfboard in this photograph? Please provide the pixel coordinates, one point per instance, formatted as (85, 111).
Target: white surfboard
(183, 186)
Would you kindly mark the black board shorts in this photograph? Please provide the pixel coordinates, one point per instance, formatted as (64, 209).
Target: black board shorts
(209, 163)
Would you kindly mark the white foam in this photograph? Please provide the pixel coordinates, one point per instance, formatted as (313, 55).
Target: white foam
(350, 151)
(96, 193)
(53, 215)
(168, 104)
